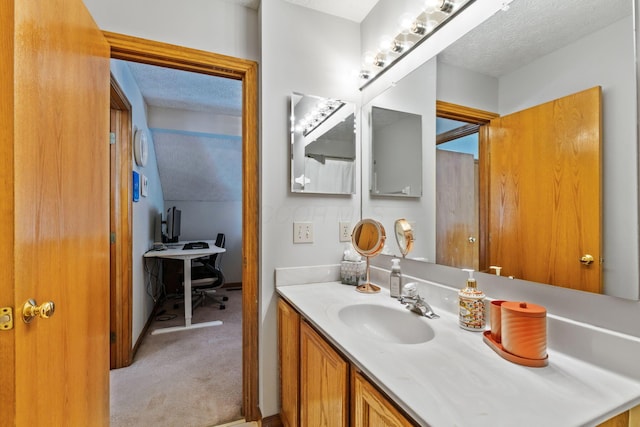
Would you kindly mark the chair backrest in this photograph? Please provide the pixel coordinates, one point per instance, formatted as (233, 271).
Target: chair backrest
(220, 242)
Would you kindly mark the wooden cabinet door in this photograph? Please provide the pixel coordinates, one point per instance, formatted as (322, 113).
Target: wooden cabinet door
(370, 408)
(289, 359)
(324, 379)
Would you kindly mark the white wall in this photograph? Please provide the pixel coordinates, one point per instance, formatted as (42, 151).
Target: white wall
(146, 209)
(464, 87)
(213, 26)
(413, 94)
(311, 53)
(204, 220)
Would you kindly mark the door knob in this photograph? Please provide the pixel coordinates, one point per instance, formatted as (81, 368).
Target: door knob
(30, 310)
(586, 259)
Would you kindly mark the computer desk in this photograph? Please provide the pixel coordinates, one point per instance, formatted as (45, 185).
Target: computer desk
(175, 251)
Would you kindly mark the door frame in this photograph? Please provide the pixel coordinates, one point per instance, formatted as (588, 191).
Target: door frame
(166, 55)
(121, 277)
(480, 118)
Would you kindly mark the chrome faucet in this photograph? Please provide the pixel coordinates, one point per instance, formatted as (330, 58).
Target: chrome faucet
(415, 302)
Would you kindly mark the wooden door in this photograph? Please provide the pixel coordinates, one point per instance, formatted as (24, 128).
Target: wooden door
(457, 212)
(323, 382)
(545, 192)
(370, 408)
(55, 213)
(289, 360)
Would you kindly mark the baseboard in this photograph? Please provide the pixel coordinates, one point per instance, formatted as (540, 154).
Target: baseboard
(145, 329)
(232, 286)
(272, 421)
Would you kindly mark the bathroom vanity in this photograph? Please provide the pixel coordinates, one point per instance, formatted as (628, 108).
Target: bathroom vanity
(349, 358)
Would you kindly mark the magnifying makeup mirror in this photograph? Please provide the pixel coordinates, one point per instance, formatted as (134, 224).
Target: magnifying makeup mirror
(404, 236)
(368, 240)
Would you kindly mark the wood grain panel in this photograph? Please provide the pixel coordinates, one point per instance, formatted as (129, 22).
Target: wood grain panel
(7, 339)
(456, 209)
(370, 408)
(621, 420)
(61, 188)
(121, 217)
(451, 111)
(323, 382)
(545, 192)
(289, 361)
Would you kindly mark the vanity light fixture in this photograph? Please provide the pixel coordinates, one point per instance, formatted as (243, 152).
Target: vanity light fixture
(413, 28)
(321, 112)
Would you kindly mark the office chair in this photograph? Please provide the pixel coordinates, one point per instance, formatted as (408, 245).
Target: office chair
(207, 277)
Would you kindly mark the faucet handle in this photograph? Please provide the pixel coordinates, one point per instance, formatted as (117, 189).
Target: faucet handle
(410, 290)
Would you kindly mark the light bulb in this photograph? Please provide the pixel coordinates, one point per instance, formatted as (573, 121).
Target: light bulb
(369, 58)
(406, 21)
(379, 60)
(431, 5)
(386, 43)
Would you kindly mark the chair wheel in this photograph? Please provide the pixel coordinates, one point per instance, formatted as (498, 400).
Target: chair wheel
(222, 307)
(225, 298)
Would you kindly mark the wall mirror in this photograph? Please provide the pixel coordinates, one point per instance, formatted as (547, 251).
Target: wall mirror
(396, 153)
(532, 53)
(323, 145)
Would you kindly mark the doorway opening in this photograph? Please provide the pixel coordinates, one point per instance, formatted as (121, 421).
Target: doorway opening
(154, 53)
(471, 248)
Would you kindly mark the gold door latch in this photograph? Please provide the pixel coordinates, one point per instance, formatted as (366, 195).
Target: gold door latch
(30, 310)
(587, 259)
(6, 318)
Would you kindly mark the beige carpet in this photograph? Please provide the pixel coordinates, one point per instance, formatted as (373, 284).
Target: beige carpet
(190, 378)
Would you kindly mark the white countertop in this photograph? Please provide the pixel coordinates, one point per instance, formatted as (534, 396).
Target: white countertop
(455, 379)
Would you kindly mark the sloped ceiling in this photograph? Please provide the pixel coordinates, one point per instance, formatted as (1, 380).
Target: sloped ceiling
(194, 165)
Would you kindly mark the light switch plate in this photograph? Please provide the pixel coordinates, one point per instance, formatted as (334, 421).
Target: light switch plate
(302, 232)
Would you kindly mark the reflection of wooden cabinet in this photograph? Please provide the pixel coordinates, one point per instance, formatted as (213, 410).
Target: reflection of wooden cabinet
(323, 382)
(314, 381)
(370, 408)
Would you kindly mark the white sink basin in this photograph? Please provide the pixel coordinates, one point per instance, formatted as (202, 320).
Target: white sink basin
(381, 323)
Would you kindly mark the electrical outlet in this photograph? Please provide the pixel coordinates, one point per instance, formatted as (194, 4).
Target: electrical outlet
(345, 231)
(302, 232)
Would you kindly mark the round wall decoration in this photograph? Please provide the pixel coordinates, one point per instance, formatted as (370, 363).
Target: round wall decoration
(140, 148)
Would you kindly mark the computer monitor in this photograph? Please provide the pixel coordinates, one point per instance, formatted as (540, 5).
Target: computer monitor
(158, 236)
(173, 224)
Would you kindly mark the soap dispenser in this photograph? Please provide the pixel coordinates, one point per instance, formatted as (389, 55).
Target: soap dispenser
(471, 305)
(395, 279)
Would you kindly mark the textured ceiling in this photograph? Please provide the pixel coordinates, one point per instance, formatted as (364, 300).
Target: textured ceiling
(166, 87)
(530, 29)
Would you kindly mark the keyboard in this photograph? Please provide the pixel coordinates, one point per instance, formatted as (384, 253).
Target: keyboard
(196, 245)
